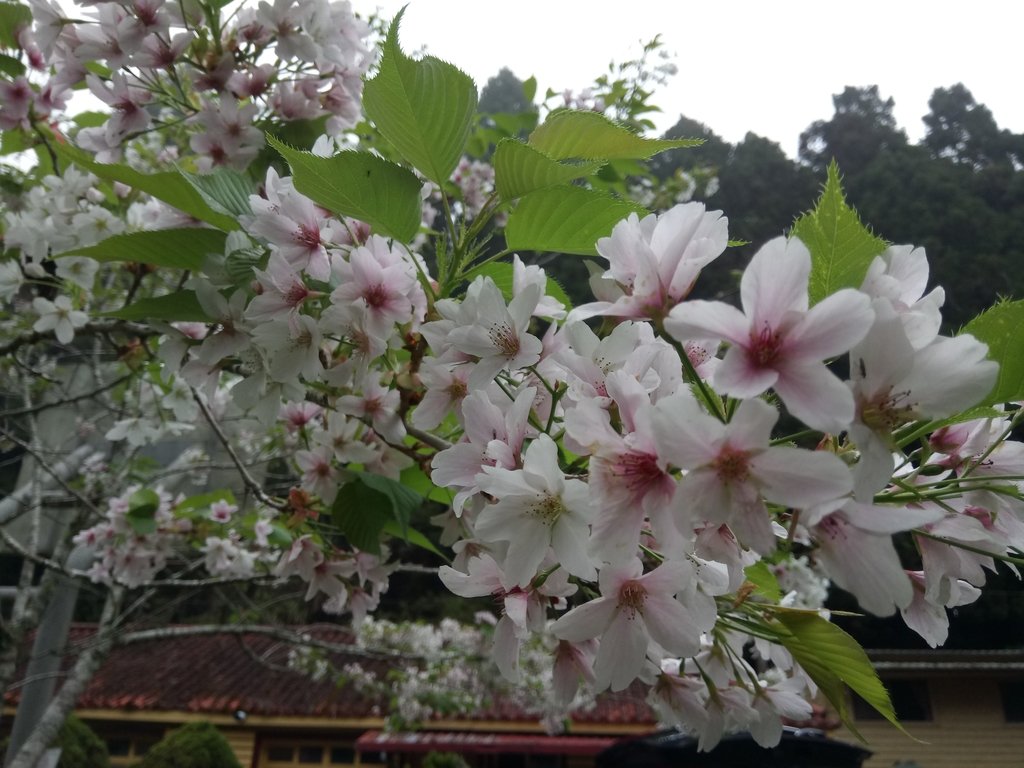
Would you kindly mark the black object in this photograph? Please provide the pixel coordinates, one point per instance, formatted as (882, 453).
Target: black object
(799, 748)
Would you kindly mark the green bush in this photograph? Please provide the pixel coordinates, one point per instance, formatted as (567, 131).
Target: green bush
(80, 747)
(196, 745)
(444, 760)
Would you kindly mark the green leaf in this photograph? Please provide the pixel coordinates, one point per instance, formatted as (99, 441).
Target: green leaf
(14, 140)
(365, 505)
(10, 66)
(565, 220)
(502, 273)
(174, 248)
(414, 537)
(239, 264)
(170, 187)
(225, 191)
(180, 306)
(415, 479)
(142, 507)
(359, 184)
(841, 247)
(90, 119)
(831, 657)
(590, 136)
(424, 108)
(764, 581)
(1002, 328)
(520, 168)
(13, 17)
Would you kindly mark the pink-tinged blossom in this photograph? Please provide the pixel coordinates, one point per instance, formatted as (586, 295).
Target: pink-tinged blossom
(523, 611)
(447, 386)
(657, 259)
(230, 336)
(222, 510)
(786, 699)
(296, 415)
(58, 316)
(536, 509)
(527, 274)
(293, 348)
(731, 469)
(498, 336)
(382, 281)
(296, 227)
(893, 383)
(492, 438)
(900, 275)
(300, 559)
(928, 617)
(635, 610)
(227, 136)
(376, 406)
(282, 291)
(128, 101)
(626, 472)
(573, 663)
(16, 98)
(776, 341)
(855, 547)
(341, 437)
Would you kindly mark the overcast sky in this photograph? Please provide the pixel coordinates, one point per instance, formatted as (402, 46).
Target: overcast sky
(744, 65)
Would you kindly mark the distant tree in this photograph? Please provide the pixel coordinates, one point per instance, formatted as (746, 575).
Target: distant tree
(964, 131)
(504, 93)
(713, 152)
(863, 126)
(80, 747)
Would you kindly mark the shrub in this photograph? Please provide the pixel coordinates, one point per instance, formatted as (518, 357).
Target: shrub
(196, 745)
(80, 747)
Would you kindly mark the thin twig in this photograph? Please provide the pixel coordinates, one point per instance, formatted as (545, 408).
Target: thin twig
(247, 478)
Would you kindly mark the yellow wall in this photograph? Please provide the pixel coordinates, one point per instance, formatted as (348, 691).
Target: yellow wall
(967, 730)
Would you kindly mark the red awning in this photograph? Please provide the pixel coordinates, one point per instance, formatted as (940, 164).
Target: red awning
(482, 743)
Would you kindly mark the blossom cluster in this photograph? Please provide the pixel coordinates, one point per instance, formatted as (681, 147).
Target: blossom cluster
(631, 480)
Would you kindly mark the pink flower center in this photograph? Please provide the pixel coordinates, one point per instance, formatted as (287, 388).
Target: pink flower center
(731, 465)
(308, 236)
(505, 340)
(765, 346)
(632, 597)
(376, 296)
(639, 470)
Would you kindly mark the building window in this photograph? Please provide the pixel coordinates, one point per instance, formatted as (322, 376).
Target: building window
(909, 698)
(299, 753)
(1012, 694)
(128, 750)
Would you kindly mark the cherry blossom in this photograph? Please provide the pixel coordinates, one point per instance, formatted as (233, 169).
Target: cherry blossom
(777, 342)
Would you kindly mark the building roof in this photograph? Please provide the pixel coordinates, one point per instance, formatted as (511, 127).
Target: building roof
(224, 673)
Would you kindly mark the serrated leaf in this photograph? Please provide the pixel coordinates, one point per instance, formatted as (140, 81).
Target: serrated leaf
(142, 507)
(359, 184)
(424, 108)
(502, 273)
(239, 264)
(170, 187)
(180, 306)
(1002, 328)
(520, 168)
(831, 657)
(174, 248)
(568, 134)
(565, 220)
(10, 66)
(365, 505)
(224, 190)
(841, 247)
(13, 17)
(764, 581)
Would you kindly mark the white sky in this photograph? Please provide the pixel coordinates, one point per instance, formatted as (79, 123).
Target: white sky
(744, 65)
